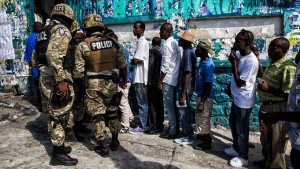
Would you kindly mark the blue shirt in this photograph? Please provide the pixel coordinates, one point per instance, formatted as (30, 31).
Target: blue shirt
(205, 75)
(293, 104)
(188, 64)
(129, 75)
(30, 46)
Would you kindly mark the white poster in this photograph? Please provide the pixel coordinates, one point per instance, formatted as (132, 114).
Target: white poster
(6, 46)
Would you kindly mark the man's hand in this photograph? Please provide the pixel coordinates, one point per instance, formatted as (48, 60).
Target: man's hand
(30, 70)
(62, 89)
(232, 57)
(137, 61)
(123, 85)
(182, 101)
(263, 127)
(159, 86)
(263, 86)
(200, 107)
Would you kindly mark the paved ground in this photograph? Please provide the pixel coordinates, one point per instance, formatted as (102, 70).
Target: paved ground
(26, 144)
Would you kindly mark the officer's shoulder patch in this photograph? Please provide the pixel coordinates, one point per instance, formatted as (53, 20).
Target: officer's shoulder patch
(61, 32)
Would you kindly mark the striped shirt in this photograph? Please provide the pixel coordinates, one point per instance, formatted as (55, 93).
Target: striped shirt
(279, 75)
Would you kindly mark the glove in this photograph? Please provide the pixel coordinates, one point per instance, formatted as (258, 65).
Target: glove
(63, 90)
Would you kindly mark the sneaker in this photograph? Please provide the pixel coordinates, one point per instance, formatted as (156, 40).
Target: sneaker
(124, 130)
(231, 151)
(137, 130)
(184, 140)
(238, 162)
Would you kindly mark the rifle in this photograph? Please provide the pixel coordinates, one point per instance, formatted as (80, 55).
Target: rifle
(273, 117)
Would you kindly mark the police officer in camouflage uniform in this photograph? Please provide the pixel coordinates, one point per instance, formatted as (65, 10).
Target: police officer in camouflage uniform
(101, 59)
(55, 69)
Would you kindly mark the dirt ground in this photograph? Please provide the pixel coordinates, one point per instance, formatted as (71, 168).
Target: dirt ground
(25, 143)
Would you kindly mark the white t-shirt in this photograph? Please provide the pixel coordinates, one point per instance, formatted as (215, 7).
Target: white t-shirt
(140, 71)
(170, 64)
(244, 97)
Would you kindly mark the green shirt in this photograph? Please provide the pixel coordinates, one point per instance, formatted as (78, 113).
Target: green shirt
(279, 75)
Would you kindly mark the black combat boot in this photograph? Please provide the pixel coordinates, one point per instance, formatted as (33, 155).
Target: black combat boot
(80, 128)
(67, 149)
(114, 142)
(59, 157)
(102, 149)
(71, 136)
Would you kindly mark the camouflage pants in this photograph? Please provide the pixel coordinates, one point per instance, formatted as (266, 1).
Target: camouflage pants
(98, 99)
(57, 121)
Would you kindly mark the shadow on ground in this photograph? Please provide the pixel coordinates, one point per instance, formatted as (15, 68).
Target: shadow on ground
(39, 131)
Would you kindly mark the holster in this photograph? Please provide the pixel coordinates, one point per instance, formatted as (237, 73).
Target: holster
(63, 120)
(116, 99)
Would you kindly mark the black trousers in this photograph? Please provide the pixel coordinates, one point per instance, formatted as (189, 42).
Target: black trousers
(155, 107)
(295, 158)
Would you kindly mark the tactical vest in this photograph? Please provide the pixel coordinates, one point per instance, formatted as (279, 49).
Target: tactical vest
(42, 41)
(103, 53)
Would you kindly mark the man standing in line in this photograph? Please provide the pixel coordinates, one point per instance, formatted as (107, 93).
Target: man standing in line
(30, 46)
(273, 91)
(291, 118)
(205, 94)
(124, 106)
(140, 75)
(155, 97)
(243, 89)
(169, 71)
(56, 80)
(101, 59)
(186, 86)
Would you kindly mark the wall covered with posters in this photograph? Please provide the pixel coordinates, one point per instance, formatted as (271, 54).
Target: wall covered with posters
(13, 34)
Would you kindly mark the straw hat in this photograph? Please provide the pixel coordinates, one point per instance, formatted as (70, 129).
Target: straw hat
(187, 35)
(205, 44)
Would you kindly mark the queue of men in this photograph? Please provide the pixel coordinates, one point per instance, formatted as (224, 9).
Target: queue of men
(91, 74)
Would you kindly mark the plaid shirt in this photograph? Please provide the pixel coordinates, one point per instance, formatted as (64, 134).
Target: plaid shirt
(279, 75)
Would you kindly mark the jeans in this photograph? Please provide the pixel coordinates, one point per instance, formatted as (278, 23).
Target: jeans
(142, 101)
(169, 102)
(239, 125)
(185, 116)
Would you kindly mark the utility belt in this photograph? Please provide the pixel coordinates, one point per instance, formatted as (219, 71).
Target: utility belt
(114, 77)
